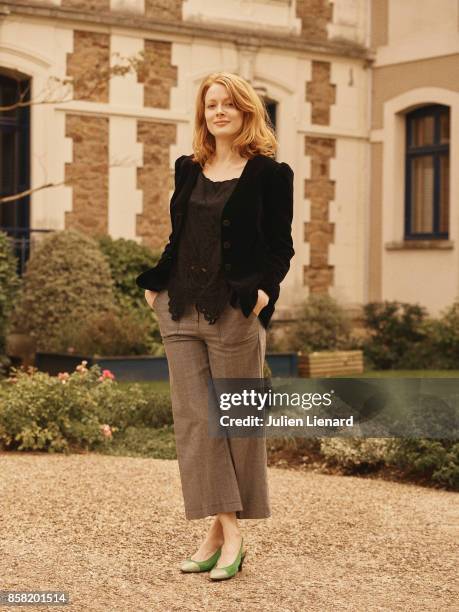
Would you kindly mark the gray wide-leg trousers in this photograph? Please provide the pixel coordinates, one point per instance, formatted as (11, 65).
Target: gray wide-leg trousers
(218, 474)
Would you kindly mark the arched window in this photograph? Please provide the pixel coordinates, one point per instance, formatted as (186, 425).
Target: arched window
(427, 173)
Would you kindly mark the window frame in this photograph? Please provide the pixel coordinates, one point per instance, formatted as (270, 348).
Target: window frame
(435, 151)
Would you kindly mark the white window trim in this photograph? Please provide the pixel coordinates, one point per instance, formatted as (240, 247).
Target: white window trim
(392, 135)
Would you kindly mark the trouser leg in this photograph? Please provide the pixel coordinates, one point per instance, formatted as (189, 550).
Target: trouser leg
(207, 474)
(239, 352)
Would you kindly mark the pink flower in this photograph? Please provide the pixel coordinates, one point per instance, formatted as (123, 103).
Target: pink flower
(82, 367)
(106, 431)
(106, 375)
(63, 376)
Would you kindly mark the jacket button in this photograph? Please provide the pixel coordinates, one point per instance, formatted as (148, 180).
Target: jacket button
(227, 266)
(226, 244)
(226, 222)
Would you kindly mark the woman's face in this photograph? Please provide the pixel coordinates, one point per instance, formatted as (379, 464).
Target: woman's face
(219, 107)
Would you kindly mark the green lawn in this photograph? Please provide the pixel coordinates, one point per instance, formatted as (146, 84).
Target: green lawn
(407, 374)
(154, 385)
(163, 385)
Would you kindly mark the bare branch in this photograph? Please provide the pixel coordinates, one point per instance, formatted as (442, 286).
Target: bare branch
(134, 64)
(18, 196)
(126, 162)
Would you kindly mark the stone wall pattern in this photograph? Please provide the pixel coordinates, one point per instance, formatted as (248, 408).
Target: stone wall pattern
(89, 65)
(319, 232)
(87, 174)
(153, 224)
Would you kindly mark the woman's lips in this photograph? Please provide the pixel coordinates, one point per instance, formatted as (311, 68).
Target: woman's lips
(221, 122)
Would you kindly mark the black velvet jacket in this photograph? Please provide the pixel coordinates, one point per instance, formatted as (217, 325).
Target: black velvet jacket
(256, 236)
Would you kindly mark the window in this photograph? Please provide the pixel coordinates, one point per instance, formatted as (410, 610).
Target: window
(427, 173)
(14, 162)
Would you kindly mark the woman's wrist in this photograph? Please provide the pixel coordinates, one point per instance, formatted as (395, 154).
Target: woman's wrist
(262, 301)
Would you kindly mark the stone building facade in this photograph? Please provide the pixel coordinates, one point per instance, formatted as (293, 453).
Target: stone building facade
(340, 78)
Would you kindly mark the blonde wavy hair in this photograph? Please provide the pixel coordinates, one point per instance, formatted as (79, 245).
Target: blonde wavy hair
(257, 132)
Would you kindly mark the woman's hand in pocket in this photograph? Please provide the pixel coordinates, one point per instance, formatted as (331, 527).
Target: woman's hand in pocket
(263, 299)
(150, 296)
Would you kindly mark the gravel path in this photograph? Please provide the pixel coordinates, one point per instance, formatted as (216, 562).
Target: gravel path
(111, 531)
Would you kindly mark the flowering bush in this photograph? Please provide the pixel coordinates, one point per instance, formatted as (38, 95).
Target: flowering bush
(64, 412)
(353, 454)
(434, 460)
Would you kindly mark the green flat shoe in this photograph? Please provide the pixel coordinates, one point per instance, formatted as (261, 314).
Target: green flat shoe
(189, 565)
(223, 573)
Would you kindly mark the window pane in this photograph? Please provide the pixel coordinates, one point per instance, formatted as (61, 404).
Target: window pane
(7, 156)
(444, 193)
(422, 174)
(9, 96)
(422, 131)
(444, 126)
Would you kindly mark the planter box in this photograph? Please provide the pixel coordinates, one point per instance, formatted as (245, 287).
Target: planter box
(283, 364)
(330, 363)
(131, 368)
(137, 368)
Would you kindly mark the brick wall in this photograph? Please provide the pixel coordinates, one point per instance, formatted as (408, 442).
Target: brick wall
(319, 232)
(87, 5)
(153, 224)
(89, 65)
(157, 73)
(164, 9)
(314, 15)
(88, 173)
(320, 93)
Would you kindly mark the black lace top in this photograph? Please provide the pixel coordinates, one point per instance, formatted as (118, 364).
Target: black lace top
(196, 276)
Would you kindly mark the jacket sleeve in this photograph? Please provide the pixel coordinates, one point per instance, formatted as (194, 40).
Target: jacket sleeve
(154, 278)
(278, 217)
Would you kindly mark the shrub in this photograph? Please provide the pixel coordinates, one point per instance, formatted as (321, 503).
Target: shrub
(127, 259)
(443, 338)
(153, 410)
(40, 412)
(67, 278)
(398, 334)
(355, 454)
(107, 333)
(9, 286)
(436, 460)
(322, 325)
(432, 460)
(78, 411)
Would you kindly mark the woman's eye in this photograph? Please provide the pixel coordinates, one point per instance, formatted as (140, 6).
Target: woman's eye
(212, 105)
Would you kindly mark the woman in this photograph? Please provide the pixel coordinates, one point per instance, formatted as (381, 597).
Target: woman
(214, 292)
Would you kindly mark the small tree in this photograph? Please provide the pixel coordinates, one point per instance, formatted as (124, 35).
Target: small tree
(67, 278)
